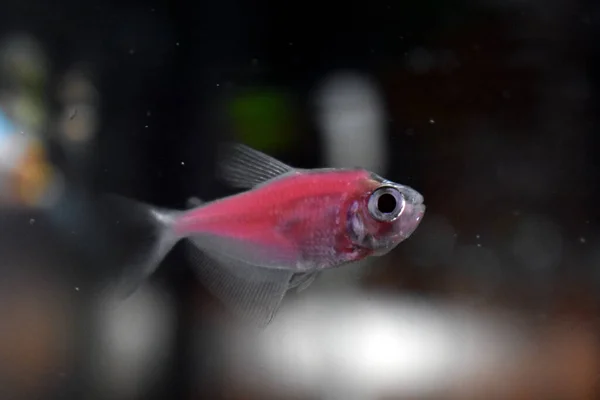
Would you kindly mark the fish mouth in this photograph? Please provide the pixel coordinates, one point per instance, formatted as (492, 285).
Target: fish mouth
(417, 211)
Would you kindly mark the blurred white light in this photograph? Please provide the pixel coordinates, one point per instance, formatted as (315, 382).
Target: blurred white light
(12, 148)
(351, 115)
(134, 337)
(373, 345)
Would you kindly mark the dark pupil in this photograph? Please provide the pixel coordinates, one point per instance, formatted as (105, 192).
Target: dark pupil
(386, 203)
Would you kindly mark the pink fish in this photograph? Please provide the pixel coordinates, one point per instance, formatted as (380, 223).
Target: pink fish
(251, 248)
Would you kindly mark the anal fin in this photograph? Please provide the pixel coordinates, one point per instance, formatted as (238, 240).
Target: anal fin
(252, 293)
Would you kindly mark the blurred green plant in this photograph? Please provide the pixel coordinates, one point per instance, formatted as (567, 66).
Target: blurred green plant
(263, 119)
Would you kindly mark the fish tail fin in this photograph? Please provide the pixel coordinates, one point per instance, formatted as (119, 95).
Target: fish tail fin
(150, 236)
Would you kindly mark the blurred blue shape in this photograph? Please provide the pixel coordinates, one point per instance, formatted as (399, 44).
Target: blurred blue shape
(6, 126)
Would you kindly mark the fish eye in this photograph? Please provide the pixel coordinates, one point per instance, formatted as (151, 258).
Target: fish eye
(386, 204)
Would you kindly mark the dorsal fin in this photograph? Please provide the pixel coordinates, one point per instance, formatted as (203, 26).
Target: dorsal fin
(244, 168)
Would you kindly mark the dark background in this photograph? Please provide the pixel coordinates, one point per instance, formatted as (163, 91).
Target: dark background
(513, 93)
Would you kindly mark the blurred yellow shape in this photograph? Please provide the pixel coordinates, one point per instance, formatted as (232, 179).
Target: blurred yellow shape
(32, 175)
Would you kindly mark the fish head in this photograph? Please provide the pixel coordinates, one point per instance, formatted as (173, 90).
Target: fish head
(383, 215)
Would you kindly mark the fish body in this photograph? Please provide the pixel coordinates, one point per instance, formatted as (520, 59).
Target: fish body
(289, 224)
(298, 220)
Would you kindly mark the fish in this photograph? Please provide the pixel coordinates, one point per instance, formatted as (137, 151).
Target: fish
(284, 227)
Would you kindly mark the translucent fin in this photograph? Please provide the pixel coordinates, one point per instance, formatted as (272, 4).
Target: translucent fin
(244, 168)
(303, 281)
(149, 237)
(252, 293)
